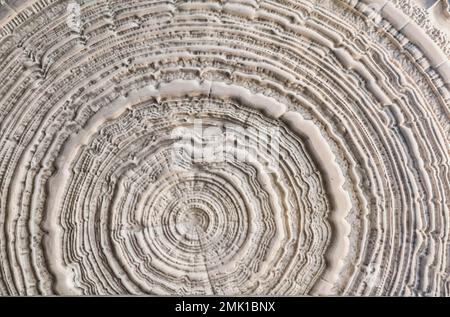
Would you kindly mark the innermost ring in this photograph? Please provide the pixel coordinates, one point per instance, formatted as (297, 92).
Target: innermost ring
(194, 220)
(195, 217)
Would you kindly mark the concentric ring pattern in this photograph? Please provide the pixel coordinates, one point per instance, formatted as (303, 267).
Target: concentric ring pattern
(336, 180)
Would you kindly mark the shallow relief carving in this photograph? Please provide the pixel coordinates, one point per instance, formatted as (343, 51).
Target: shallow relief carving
(234, 147)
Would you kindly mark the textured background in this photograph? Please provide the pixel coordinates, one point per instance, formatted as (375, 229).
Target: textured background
(351, 199)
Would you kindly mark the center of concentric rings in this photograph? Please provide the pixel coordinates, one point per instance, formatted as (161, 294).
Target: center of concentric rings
(194, 220)
(196, 214)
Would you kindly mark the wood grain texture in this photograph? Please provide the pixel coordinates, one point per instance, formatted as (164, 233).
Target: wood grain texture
(336, 181)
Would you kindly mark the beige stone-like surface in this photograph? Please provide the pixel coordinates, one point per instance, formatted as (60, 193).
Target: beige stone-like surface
(335, 177)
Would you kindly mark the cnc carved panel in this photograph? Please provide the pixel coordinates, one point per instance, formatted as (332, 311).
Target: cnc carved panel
(225, 147)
